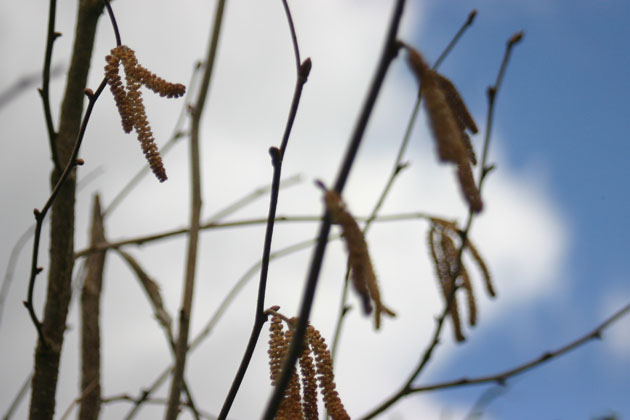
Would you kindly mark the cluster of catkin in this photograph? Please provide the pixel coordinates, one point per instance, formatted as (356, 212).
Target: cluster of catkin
(449, 119)
(359, 261)
(452, 272)
(129, 100)
(316, 371)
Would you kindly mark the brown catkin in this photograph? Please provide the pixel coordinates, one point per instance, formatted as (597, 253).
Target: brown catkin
(444, 125)
(442, 254)
(291, 407)
(309, 384)
(482, 267)
(129, 100)
(277, 347)
(456, 103)
(325, 375)
(448, 118)
(361, 269)
(468, 186)
(470, 297)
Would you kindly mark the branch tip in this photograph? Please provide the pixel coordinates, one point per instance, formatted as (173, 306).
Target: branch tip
(515, 39)
(471, 17)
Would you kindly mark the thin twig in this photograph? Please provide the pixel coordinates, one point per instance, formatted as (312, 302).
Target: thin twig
(389, 52)
(152, 291)
(399, 165)
(80, 398)
(143, 240)
(41, 214)
(44, 92)
(277, 156)
(158, 401)
(502, 377)
(181, 346)
(19, 246)
(485, 169)
(112, 18)
(18, 398)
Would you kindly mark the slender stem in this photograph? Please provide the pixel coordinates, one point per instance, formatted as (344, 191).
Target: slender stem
(18, 397)
(390, 51)
(181, 348)
(45, 90)
(143, 240)
(112, 18)
(40, 215)
(501, 377)
(277, 156)
(485, 169)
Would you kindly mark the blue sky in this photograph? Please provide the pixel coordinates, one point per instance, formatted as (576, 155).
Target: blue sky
(564, 106)
(554, 230)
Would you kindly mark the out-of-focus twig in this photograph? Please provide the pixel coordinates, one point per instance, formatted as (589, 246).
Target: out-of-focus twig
(181, 345)
(389, 52)
(90, 322)
(485, 169)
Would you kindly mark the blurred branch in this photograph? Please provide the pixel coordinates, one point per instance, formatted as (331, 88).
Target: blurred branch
(19, 245)
(390, 50)
(158, 401)
(152, 291)
(44, 92)
(181, 346)
(18, 398)
(485, 169)
(90, 325)
(142, 240)
(277, 156)
(399, 165)
(502, 377)
(24, 83)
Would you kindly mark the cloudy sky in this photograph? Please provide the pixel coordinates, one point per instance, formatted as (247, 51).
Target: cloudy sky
(553, 231)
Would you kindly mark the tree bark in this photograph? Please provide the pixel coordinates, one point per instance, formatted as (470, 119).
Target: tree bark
(62, 220)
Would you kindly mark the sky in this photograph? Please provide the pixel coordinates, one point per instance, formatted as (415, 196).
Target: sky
(553, 229)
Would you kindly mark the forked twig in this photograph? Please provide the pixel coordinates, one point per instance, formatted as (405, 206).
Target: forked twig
(41, 214)
(277, 155)
(485, 169)
(389, 52)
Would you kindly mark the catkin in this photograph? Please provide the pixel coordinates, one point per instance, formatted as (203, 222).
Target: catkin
(450, 267)
(129, 100)
(361, 269)
(316, 372)
(325, 375)
(448, 119)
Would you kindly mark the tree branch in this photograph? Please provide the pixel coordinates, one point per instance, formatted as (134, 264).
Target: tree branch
(502, 377)
(277, 156)
(390, 51)
(181, 347)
